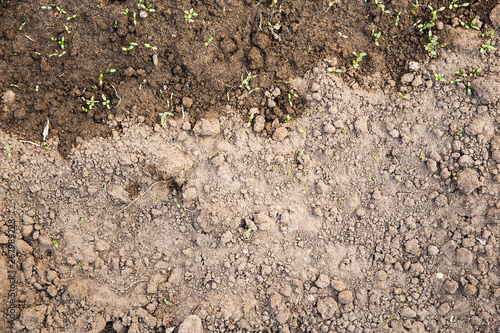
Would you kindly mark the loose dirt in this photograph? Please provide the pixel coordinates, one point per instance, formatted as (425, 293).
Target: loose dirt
(331, 199)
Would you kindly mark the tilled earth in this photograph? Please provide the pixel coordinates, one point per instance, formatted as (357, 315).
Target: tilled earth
(371, 203)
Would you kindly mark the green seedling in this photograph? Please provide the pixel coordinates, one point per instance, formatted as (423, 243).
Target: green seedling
(38, 53)
(381, 5)
(163, 115)
(459, 132)
(56, 244)
(209, 41)
(304, 190)
(439, 78)
(473, 25)
(130, 46)
(421, 156)
(134, 18)
(342, 35)
(469, 88)
(67, 29)
(100, 80)
(416, 4)
(60, 42)
(330, 4)
(488, 47)
(125, 12)
(290, 95)
(435, 12)
(189, 14)
(148, 8)
(398, 18)
(359, 57)
(248, 232)
(22, 26)
(90, 104)
(9, 154)
(274, 3)
(112, 70)
(246, 83)
(70, 17)
(84, 218)
(475, 72)
(461, 73)
(154, 48)
(488, 34)
(14, 85)
(166, 302)
(454, 175)
(301, 153)
(37, 88)
(402, 95)
(250, 120)
(454, 4)
(177, 203)
(376, 35)
(105, 101)
(455, 81)
(287, 118)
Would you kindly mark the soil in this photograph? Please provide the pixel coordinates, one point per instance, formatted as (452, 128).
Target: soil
(359, 200)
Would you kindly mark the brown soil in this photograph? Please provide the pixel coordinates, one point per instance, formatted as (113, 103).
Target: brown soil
(199, 77)
(369, 202)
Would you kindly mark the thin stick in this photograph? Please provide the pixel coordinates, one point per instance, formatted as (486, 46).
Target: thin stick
(31, 143)
(138, 197)
(124, 290)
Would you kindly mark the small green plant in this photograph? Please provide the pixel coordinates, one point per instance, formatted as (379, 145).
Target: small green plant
(439, 77)
(301, 153)
(112, 70)
(459, 132)
(475, 72)
(22, 25)
(209, 41)
(189, 14)
(84, 218)
(469, 88)
(488, 34)
(454, 175)
(250, 120)
(376, 35)
(105, 101)
(342, 35)
(246, 83)
(90, 104)
(290, 95)
(9, 154)
(473, 25)
(56, 244)
(163, 115)
(70, 17)
(359, 57)
(330, 4)
(130, 46)
(398, 18)
(435, 12)
(247, 233)
(148, 8)
(100, 80)
(67, 29)
(488, 47)
(166, 302)
(60, 42)
(402, 95)
(287, 118)
(381, 5)
(454, 4)
(154, 48)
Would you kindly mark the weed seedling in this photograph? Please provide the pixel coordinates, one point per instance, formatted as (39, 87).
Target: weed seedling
(402, 95)
(209, 41)
(287, 118)
(246, 83)
(454, 4)
(166, 302)
(163, 115)
(435, 12)
(488, 34)
(189, 14)
(359, 57)
(154, 48)
(247, 233)
(22, 25)
(381, 5)
(455, 178)
(475, 72)
(250, 120)
(100, 80)
(488, 47)
(376, 36)
(70, 17)
(140, 5)
(290, 95)
(56, 244)
(130, 46)
(9, 154)
(439, 78)
(330, 4)
(398, 18)
(90, 104)
(469, 88)
(112, 70)
(105, 101)
(473, 25)
(67, 29)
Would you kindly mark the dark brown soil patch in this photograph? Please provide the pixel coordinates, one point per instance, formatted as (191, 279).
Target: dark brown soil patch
(200, 65)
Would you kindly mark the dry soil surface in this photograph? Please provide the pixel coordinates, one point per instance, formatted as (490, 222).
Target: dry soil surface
(373, 209)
